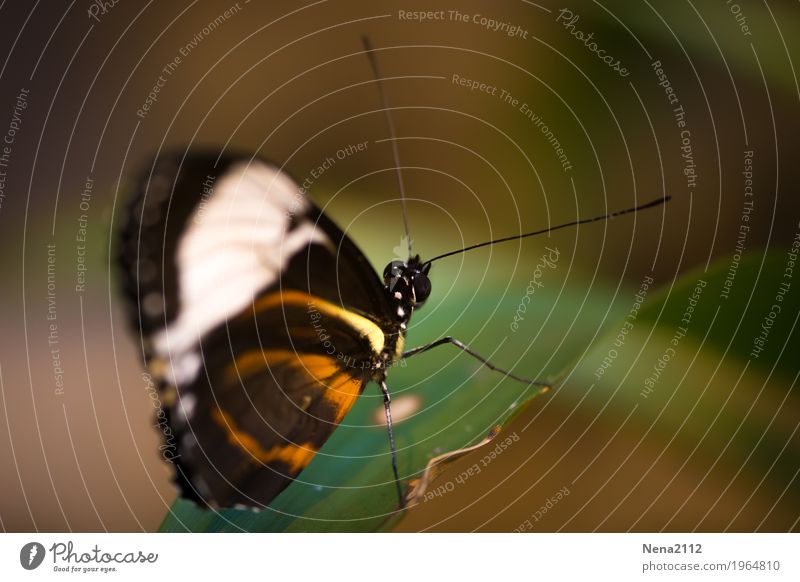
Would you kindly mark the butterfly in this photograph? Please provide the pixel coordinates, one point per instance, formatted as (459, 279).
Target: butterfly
(261, 320)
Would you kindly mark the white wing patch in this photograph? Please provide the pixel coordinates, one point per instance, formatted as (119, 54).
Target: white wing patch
(236, 243)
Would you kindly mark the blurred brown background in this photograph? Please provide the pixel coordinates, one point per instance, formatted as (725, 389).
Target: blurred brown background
(288, 80)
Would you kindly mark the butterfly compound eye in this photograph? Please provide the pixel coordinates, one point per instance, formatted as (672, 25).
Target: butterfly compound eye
(394, 269)
(392, 273)
(422, 287)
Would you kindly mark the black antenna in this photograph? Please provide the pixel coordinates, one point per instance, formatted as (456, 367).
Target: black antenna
(390, 123)
(609, 216)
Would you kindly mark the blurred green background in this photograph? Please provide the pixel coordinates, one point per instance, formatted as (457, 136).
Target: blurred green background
(713, 448)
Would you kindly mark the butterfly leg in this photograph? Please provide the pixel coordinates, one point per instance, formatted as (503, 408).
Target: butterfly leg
(467, 349)
(387, 400)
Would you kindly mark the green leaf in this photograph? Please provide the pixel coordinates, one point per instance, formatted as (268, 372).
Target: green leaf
(720, 314)
(692, 372)
(714, 433)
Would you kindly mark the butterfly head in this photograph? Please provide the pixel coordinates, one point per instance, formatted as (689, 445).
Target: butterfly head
(407, 284)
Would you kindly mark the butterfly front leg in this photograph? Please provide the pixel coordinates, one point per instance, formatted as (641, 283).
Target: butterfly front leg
(462, 346)
(387, 400)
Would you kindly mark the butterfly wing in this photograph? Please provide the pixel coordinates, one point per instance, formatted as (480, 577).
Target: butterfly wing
(258, 316)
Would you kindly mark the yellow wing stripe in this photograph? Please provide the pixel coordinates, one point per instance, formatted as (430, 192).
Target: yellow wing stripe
(295, 456)
(363, 326)
(340, 388)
